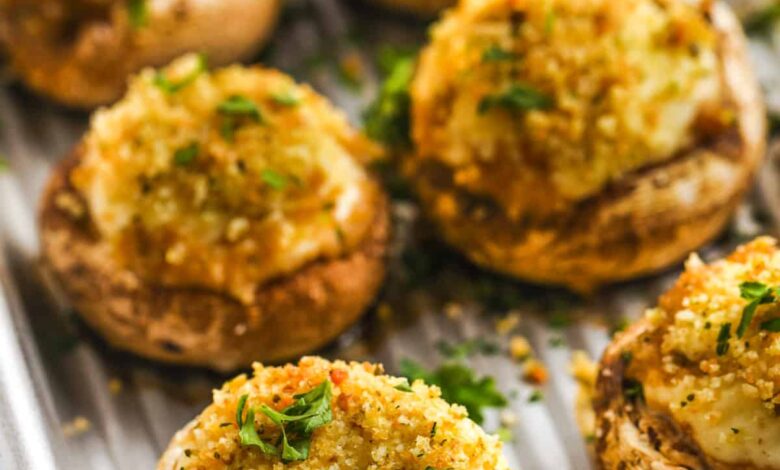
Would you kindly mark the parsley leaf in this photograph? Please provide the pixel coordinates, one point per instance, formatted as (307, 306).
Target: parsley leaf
(516, 97)
(298, 421)
(387, 119)
(723, 339)
(496, 54)
(633, 390)
(286, 99)
(404, 387)
(459, 385)
(234, 108)
(247, 432)
(772, 325)
(186, 155)
(170, 87)
(138, 11)
(762, 21)
(238, 105)
(758, 294)
(274, 179)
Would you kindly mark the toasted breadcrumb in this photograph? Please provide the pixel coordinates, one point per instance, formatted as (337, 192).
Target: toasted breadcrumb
(375, 425)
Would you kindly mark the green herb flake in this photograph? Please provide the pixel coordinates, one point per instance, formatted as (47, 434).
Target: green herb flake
(186, 155)
(762, 21)
(516, 98)
(757, 294)
(633, 390)
(286, 99)
(387, 119)
(238, 105)
(497, 54)
(274, 179)
(723, 339)
(504, 434)
(404, 387)
(433, 430)
(773, 325)
(171, 87)
(536, 396)
(138, 13)
(459, 384)
(297, 422)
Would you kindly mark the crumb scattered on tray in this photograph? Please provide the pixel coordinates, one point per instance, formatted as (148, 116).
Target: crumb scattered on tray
(76, 427)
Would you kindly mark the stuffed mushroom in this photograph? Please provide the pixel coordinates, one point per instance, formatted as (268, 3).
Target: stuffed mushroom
(583, 142)
(80, 52)
(696, 382)
(217, 218)
(327, 415)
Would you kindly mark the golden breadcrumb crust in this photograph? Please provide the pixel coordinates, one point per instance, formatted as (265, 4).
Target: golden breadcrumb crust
(375, 425)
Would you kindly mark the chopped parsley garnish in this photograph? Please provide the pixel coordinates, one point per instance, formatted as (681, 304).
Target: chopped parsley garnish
(633, 390)
(496, 54)
(536, 396)
(386, 120)
(170, 87)
(504, 434)
(138, 11)
(723, 339)
(297, 422)
(404, 387)
(233, 109)
(286, 99)
(772, 325)
(459, 385)
(762, 21)
(758, 294)
(238, 105)
(186, 155)
(274, 179)
(516, 97)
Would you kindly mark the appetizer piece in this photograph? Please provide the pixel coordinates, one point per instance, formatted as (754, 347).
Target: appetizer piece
(80, 52)
(321, 415)
(696, 382)
(581, 143)
(216, 219)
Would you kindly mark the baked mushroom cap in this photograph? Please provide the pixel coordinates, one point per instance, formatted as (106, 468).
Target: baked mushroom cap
(80, 52)
(377, 421)
(217, 219)
(581, 143)
(696, 382)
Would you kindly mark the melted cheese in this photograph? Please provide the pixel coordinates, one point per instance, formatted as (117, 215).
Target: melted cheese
(730, 425)
(285, 189)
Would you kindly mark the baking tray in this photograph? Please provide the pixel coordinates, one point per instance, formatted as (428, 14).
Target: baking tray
(67, 401)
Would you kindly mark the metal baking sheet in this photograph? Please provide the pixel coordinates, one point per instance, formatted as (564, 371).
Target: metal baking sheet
(67, 401)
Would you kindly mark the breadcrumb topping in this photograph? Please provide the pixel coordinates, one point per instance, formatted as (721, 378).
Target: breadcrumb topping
(376, 424)
(539, 104)
(224, 180)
